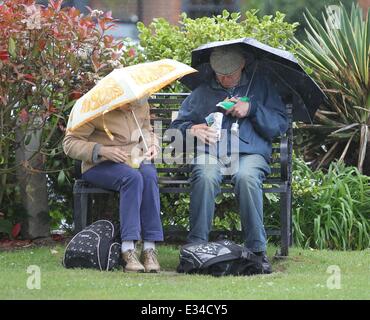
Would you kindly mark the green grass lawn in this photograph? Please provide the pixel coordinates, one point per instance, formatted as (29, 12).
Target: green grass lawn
(301, 276)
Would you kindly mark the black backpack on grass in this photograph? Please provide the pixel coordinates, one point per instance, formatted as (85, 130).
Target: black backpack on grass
(220, 258)
(96, 247)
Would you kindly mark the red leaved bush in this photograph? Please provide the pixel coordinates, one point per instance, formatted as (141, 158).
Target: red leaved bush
(49, 52)
(49, 56)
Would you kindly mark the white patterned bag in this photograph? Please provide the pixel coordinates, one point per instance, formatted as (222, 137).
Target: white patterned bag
(95, 247)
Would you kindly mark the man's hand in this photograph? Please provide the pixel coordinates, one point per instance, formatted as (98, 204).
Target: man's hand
(207, 134)
(152, 153)
(115, 154)
(240, 108)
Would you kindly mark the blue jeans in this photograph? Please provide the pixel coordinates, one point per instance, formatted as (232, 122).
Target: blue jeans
(139, 206)
(205, 185)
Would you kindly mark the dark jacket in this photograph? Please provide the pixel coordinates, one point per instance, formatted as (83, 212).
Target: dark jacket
(266, 119)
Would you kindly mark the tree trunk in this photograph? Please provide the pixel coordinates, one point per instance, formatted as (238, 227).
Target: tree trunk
(33, 183)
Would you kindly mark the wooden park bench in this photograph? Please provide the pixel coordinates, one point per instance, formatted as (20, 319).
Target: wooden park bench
(175, 178)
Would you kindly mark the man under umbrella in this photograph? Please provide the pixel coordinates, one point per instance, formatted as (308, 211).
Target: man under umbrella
(255, 122)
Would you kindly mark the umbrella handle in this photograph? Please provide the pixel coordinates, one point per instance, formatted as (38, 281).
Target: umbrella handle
(141, 132)
(109, 134)
(251, 80)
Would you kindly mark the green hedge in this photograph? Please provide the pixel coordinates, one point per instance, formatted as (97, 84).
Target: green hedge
(161, 39)
(331, 209)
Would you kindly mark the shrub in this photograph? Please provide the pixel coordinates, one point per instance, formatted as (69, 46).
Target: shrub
(337, 54)
(331, 210)
(161, 40)
(48, 58)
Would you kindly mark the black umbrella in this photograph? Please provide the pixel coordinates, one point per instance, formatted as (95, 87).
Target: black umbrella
(291, 80)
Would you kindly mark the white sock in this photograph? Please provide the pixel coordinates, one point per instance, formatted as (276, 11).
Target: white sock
(149, 245)
(127, 245)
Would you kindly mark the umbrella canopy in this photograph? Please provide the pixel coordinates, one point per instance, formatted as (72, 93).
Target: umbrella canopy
(123, 86)
(291, 80)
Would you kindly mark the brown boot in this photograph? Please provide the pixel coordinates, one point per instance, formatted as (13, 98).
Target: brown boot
(131, 262)
(150, 261)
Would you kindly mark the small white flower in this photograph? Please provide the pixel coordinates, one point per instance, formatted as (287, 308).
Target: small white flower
(96, 13)
(115, 63)
(34, 19)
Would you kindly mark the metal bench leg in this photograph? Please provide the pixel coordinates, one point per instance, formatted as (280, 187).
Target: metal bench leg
(290, 218)
(84, 209)
(77, 212)
(81, 205)
(285, 220)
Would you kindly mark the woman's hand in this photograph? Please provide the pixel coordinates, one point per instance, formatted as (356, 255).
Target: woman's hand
(207, 134)
(115, 154)
(152, 153)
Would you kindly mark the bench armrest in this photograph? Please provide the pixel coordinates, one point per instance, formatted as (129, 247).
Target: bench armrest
(77, 168)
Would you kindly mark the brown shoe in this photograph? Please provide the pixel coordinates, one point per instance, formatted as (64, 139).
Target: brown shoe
(131, 262)
(150, 262)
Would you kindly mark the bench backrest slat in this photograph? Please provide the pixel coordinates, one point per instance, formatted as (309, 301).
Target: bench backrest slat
(164, 109)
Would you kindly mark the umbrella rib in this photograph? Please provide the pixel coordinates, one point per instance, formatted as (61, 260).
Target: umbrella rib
(287, 84)
(141, 132)
(283, 65)
(302, 72)
(250, 82)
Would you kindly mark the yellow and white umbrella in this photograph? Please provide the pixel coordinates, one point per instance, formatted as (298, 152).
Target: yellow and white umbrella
(123, 86)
